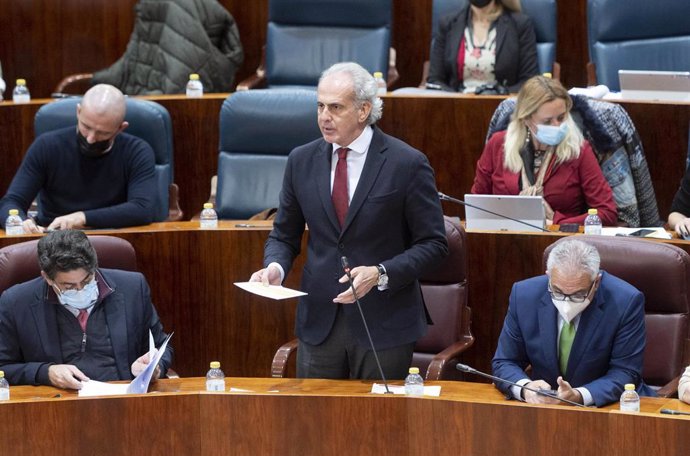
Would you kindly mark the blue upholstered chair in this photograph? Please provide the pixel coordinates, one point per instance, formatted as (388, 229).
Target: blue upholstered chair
(305, 37)
(636, 35)
(258, 129)
(147, 120)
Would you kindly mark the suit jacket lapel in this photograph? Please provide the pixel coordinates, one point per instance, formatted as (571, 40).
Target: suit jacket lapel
(548, 331)
(45, 317)
(116, 319)
(501, 33)
(372, 166)
(322, 170)
(455, 36)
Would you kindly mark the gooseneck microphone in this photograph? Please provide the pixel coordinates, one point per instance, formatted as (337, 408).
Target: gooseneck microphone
(444, 197)
(673, 412)
(346, 268)
(465, 368)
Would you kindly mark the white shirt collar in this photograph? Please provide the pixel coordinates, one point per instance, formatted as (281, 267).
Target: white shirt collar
(361, 144)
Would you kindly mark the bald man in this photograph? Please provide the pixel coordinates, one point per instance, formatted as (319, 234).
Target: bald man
(91, 176)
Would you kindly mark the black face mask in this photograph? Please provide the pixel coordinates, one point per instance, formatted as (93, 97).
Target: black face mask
(480, 3)
(92, 149)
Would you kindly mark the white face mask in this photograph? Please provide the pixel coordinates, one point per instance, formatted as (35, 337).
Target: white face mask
(568, 309)
(79, 299)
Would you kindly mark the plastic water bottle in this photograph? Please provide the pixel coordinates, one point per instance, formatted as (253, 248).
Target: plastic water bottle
(592, 222)
(630, 400)
(381, 83)
(208, 217)
(195, 89)
(13, 224)
(20, 94)
(4, 387)
(414, 383)
(215, 378)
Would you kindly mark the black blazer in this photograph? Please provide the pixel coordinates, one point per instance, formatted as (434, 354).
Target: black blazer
(516, 50)
(395, 219)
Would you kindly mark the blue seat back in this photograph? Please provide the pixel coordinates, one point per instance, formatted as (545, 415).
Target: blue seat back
(637, 35)
(258, 129)
(305, 37)
(542, 12)
(147, 120)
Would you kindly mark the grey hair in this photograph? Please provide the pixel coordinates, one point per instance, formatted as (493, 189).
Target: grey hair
(573, 256)
(364, 86)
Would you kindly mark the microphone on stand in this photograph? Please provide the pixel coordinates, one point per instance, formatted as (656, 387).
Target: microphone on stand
(443, 197)
(465, 368)
(346, 268)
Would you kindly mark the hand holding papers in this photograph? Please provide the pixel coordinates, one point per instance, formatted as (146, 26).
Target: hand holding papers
(138, 386)
(276, 292)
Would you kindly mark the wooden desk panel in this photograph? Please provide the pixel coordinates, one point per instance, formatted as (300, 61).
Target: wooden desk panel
(450, 131)
(322, 417)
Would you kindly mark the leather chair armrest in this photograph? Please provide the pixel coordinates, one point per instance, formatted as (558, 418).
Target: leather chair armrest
(439, 363)
(670, 389)
(175, 213)
(280, 360)
(172, 374)
(393, 74)
(591, 74)
(254, 81)
(556, 71)
(71, 79)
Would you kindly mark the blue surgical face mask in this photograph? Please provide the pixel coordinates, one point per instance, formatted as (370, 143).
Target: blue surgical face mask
(551, 135)
(79, 299)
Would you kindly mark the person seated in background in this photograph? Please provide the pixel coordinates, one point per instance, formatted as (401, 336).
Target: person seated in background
(684, 386)
(486, 41)
(77, 322)
(544, 153)
(679, 218)
(93, 175)
(581, 329)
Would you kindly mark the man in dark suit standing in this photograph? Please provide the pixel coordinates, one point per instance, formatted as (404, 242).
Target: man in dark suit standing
(371, 198)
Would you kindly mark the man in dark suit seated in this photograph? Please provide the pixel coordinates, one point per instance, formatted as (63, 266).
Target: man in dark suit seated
(77, 322)
(368, 197)
(581, 329)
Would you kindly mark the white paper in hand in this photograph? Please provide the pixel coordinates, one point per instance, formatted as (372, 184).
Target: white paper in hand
(276, 292)
(141, 383)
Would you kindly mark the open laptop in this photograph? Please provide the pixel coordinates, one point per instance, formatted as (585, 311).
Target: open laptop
(655, 85)
(528, 209)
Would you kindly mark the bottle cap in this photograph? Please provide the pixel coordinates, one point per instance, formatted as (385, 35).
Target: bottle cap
(414, 370)
(547, 75)
(208, 205)
(14, 212)
(378, 74)
(592, 212)
(629, 387)
(21, 82)
(2, 374)
(194, 77)
(215, 365)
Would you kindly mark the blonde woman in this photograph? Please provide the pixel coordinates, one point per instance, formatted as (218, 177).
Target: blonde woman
(485, 41)
(544, 153)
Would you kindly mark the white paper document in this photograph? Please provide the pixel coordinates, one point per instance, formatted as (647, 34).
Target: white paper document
(276, 292)
(380, 388)
(137, 386)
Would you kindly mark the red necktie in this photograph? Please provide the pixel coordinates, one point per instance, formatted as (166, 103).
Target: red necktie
(340, 197)
(83, 317)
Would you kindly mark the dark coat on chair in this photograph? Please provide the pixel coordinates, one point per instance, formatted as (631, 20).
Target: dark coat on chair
(516, 50)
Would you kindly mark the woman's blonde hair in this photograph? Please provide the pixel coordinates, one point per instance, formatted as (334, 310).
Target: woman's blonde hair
(534, 93)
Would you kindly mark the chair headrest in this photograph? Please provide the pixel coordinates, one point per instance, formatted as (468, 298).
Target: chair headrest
(334, 13)
(454, 266)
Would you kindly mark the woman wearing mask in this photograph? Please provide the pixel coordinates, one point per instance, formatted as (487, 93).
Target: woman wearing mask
(486, 41)
(543, 153)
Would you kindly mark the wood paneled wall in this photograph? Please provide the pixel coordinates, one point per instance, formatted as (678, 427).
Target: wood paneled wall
(45, 40)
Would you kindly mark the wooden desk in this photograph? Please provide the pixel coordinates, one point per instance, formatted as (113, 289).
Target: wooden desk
(191, 274)
(450, 131)
(322, 417)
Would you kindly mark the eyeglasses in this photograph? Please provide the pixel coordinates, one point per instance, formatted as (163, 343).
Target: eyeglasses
(577, 298)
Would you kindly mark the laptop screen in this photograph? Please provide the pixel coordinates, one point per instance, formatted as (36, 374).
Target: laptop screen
(529, 210)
